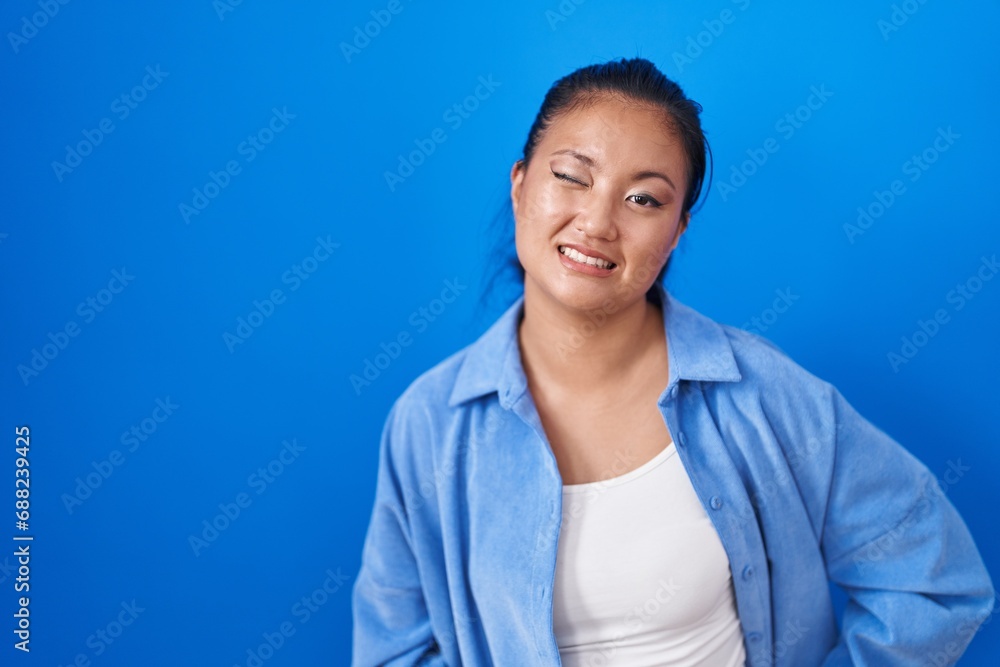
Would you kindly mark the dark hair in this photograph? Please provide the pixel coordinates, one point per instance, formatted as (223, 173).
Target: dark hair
(635, 80)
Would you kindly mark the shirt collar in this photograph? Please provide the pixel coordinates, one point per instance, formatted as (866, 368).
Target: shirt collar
(698, 349)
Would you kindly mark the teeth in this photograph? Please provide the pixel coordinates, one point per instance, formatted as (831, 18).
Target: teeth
(585, 259)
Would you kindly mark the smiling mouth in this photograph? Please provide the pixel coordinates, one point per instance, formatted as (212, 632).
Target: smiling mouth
(585, 259)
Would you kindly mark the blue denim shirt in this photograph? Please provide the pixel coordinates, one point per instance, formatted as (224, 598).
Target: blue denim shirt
(459, 558)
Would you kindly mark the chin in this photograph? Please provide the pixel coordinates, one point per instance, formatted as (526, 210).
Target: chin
(578, 296)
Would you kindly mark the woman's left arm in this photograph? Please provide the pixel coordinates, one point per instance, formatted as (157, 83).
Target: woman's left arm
(916, 583)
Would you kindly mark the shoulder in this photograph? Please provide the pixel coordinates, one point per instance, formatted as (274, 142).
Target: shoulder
(416, 422)
(765, 365)
(426, 398)
(431, 390)
(755, 350)
(478, 369)
(735, 359)
(775, 389)
(433, 412)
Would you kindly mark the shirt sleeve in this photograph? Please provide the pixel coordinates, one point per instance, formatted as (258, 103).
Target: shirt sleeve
(391, 622)
(917, 587)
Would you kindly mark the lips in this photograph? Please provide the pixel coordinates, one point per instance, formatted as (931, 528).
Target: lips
(586, 265)
(587, 256)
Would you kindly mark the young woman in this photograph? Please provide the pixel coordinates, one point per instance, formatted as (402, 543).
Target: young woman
(607, 477)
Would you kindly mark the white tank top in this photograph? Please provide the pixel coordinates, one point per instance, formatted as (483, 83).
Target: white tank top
(642, 578)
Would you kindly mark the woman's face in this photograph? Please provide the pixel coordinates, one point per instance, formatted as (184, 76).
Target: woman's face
(606, 181)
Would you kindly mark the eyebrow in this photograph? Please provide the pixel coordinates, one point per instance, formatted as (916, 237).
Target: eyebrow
(653, 174)
(587, 160)
(579, 156)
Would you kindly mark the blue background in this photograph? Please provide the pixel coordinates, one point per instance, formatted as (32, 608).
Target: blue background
(323, 176)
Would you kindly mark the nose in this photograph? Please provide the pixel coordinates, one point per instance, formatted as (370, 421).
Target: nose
(598, 218)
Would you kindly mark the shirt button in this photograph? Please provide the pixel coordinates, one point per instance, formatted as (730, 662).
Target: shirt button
(754, 636)
(682, 438)
(673, 392)
(716, 502)
(748, 572)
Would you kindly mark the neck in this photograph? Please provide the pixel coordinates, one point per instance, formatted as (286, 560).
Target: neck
(592, 349)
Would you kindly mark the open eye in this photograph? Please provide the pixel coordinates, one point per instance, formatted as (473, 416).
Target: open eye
(645, 201)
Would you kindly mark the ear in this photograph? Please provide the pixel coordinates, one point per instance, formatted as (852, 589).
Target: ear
(516, 178)
(681, 228)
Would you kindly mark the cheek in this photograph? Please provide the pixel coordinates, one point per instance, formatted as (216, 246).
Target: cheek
(651, 249)
(541, 204)
(666, 239)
